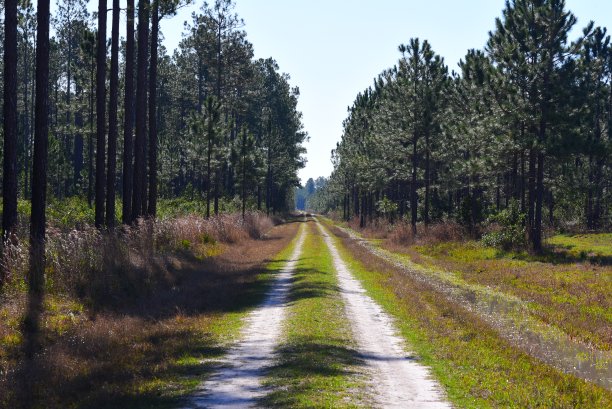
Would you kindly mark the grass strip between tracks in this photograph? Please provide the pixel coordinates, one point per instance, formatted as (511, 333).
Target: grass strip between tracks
(317, 366)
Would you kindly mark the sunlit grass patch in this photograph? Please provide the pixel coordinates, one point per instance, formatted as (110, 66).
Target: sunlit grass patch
(573, 296)
(584, 245)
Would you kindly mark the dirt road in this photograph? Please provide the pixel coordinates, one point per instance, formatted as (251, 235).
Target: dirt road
(396, 378)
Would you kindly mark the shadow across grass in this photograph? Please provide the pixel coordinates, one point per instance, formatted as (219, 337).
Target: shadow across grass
(309, 357)
(559, 255)
(303, 286)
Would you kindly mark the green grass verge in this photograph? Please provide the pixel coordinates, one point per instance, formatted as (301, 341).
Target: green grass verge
(318, 367)
(476, 367)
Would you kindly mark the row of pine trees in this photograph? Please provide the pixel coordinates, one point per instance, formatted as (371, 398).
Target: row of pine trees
(85, 117)
(527, 121)
(130, 120)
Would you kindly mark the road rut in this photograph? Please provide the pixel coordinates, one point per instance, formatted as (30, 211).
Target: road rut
(397, 379)
(237, 382)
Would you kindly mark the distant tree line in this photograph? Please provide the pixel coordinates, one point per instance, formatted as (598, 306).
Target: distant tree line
(526, 121)
(306, 196)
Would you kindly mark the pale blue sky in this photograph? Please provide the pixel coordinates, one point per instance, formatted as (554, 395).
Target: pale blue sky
(333, 49)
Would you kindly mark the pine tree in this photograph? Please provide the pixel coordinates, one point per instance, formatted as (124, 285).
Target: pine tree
(128, 121)
(100, 114)
(139, 186)
(153, 142)
(529, 46)
(112, 119)
(39, 180)
(9, 176)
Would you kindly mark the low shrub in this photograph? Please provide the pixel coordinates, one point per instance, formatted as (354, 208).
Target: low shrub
(507, 229)
(257, 224)
(442, 232)
(402, 234)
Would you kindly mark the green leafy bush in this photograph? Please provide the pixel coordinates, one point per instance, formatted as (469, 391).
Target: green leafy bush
(509, 229)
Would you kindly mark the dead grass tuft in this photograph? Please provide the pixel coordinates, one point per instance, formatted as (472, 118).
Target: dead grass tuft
(400, 233)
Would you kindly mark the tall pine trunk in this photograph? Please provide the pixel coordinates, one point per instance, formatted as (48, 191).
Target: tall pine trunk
(39, 182)
(531, 195)
(128, 120)
(208, 170)
(537, 232)
(69, 188)
(152, 205)
(90, 144)
(413, 186)
(77, 155)
(9, 177)
(113, 102)
(141, 110)
(27, 122)
(427, 181)
(100, 113)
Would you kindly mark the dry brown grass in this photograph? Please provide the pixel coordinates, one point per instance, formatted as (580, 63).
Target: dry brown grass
(400, 232)
(123, 353)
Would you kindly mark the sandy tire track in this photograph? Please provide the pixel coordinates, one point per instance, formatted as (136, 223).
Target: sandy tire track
(397, 380)
(237, 382)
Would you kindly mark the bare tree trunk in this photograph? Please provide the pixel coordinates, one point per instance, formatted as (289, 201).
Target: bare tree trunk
(113, 131)
(9, 176)
(141, 110)
(90, 147)
(427, 181)
(269, 182)
(208, 174)
(413, 186)
(26, 123)
(78, 149)
(537, 233)
(39, 182)
(531, 187)
(100, 113)
(128, 121)
(216, 190)
(152, 210)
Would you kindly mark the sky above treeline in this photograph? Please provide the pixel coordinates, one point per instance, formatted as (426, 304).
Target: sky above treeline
(334, 49)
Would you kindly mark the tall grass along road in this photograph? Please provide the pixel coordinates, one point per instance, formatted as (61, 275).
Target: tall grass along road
(237, 383)
(396, 378)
